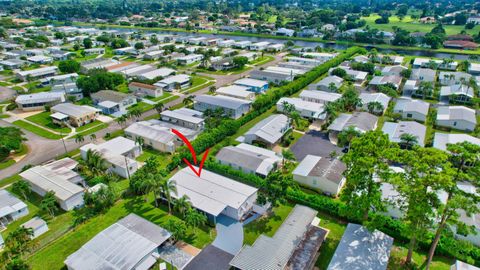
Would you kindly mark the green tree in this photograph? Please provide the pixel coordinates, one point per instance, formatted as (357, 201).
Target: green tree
(49, 203)
(287, 155)
(93, 164)
(168, 187)
(177, 228)
(240, 61)
(182, 205)
(22, 188)
(408, 140)
(362, 193)
(195, 219)
(374, 107)
(139, 46)
(79, 138)
(346, 136)
(159, 107)
(69, 66)
(87, 43)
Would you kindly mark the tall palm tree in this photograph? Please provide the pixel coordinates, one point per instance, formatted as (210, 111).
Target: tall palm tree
(425, 89)
(182, 205)
(374, 107)
(169, 187)
(122, 120)
(332, 87)
(159, 107)
(212, 89)
(79, 138)
(346, 136)
(195, 219)
(287, 155)
(153, 183)
(188, 100)
(408, 140)
(140, 141)
(93, 137)
(93, 164)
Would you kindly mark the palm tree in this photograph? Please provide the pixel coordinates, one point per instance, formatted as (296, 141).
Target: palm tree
(408, 140)
(168, 187)
(140, 141)
(425, 89)
(93, 163)
(93, 137)
(195, 219)
(79, 138)
(332, 87)
(159, 107)
(188, 100)
(22, 188)
(373, 54)
(346, 136)
(206, 60)
(49, 203)
(182, 205)
(212, 89)
(374, 107)
(122, 120)
(153, 184)
(287, 155)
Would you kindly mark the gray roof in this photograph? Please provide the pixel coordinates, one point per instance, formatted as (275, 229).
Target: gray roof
(360, 249)
(222, 101)
(41, 97)
(250, 82)
(456, 113)
(441, 140)
(456, 89)
(423, 74)
(211, 258)
(73, 110)
(34, 223)
(331, 169)
(270, 129)
(375, 97)
(9, 204)
(320, 95)
(109, 95)
(396, 130)
(412, 105)
(121, 246)
(253, 158)
(337, 81)
(363, 121)
(273, 253)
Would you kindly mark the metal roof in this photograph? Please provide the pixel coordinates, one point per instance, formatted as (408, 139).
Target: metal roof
(235, 90)
(331, 169)
(211, 192)
(412, 105)
(396, 130)
(110, 95)
(375, 97)
(123, 245)
(360, 249)
(161, 72)
(183, 115)
(456, 113)
(251, 158)
(273, 253)
(320, 95)
(251, 82)
(41, 97)
(149, 130)
(363, 121)
(441, 140)
(34, 223)
(73, 110)
(222, 101)
(9, 204)
(270, 129)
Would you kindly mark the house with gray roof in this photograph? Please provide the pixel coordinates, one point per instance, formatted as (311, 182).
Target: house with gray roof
(321, 97)
(361, 121)
(458, 93)
(174, 83)
(393, 70)
(272, 76)
(322, 174)
(249, 158)
(423, 74)
(453, 78)
(393, 80)
(359, 77)
(131, 243)
(38, 101)
(412, 109)
(269, 131)
(58, 176)
(396, 130)
(184, 117)
(456, 117)
(11, 208)
(72, 114)
(236, 91)
(361, 249)
(113, 102)
(232, 107)
(37, 225)
(442, 140)
(293, 246)
(38, 73)
(257, 86)
(328, 84)
(368, 98)
(306, 109)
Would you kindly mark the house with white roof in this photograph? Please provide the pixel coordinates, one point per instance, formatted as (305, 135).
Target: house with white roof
(257, 86)
(184, 117)
(40, 59)
(37, 225)
(249, 158)
(361, 121)
(393, 70)
(70, 114)
(322, 174)
(156, 73)
(232, 107)
(143, 89)
(328, 84)
(321, 97)
(459, 265)
(433, 63)
(11, 208)
(456, 117)
(258, 46)
(474, 69)
(175, 82)
(58, 176)
(269, 131)
(34, 74)
(396, 130)
(458, 93)
(38, 101)
(423, 75)
(119, 153)
(381, 98)
(412, 109)
(112, 102)
(189, 59)
(442, 140)
(311, 62)
(272, 76)
(323, 57)
(306, 109)
(453, 78)
(393, 80)
(358, 77)
(236, 91)
(214, 194)
(132, 243)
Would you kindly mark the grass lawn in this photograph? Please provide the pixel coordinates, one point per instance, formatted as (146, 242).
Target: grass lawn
(7, 163)
(198, 82)
(45, 120)
(142, 106)
(399, 253)
(415, 26)
(53, 255)
(163, 158)
(336, 229)
(9, 180)
(262, 60)
(224, 72)
(37, 130)
(266, 225)
(91, 128)
(165, 95)
(10, 160)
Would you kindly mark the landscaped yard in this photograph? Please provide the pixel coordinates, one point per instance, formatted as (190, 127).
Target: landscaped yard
(11, 159)
(224, 72)
(198, 82)
(91, 128)
(45, 120)
(262, 60)
(37, 130)
(266, 225)
(163, 158)
(165, 95)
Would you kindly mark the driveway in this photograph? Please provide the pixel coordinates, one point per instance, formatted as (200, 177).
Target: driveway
(6, 93)
(229, 235)
(314, 143)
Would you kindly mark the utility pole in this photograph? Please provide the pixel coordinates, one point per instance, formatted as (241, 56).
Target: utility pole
(128, 171)
(64, 146)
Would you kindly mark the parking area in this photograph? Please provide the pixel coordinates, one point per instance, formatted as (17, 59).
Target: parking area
(314, 143)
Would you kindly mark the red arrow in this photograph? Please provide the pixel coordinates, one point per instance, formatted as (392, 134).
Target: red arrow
(192, 151)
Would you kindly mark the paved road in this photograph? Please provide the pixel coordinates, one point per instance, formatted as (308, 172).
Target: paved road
(43, 150)
(6, 93)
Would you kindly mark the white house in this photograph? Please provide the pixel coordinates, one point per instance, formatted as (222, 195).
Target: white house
(323, 174)
(381, 98)
(396, 130)
(442, 140)
(38, 101)
(456, 117)
(412, 109)
(268, 131)
(189, 59)
(236, 91)
(37, 225)
(232, 107)
(142, 89)
(321, 97)
(307, 109)
(11, 208)
(176, 82)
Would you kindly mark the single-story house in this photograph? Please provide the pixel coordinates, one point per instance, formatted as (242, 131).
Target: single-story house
(311, 62)
(453, 78)
(434, 64)
(131, 243)
(214, 194)
(384, 80)
(412, 109)
(12, 63)
(37, 225)
(143, 89)
(59, 79)
(119, 153)
(236, 91)
(322, 56)
(423, 74)
(110, 101)
(35, 74)
(360, 248)
(184, 117)
(257, 86)
(271, 76)
(40, 59)
(258, 46)
(93, 51)
(375, 97)
(11, 208)
(459, 93)
(361, 121)
(460, 44)
(321, 97)
(456, 117)
(294, 245)
(284, 32)
(153, 55)
(442, 140)
(232, 107)
(328, 84)
(70, 89)
(189, 59)
(156, 73)
(474, 69)
(358, 77)
(223, 64)
(97, 63)
(393, 70)
(268, 131)
(38, 101)
(323, 174)
(59, 177)
(307, 109)
(396, 130)
(176, 82)
(73, 115)
(249, 158)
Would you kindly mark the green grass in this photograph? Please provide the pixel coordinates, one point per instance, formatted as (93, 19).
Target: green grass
(165, 95)
(142, 106)
(52, 256)
(9, 180)
(415, 26)
(266, 225)
(198, 83)
(163, 158)
(399, 253)
(45, 120)
(224, 72)
(88, 126)
(7, 163)
(37, 130)
(336, 229)
(94, 127)
(262, 60)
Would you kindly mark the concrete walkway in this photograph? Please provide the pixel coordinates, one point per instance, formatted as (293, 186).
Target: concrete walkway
(229, 235)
